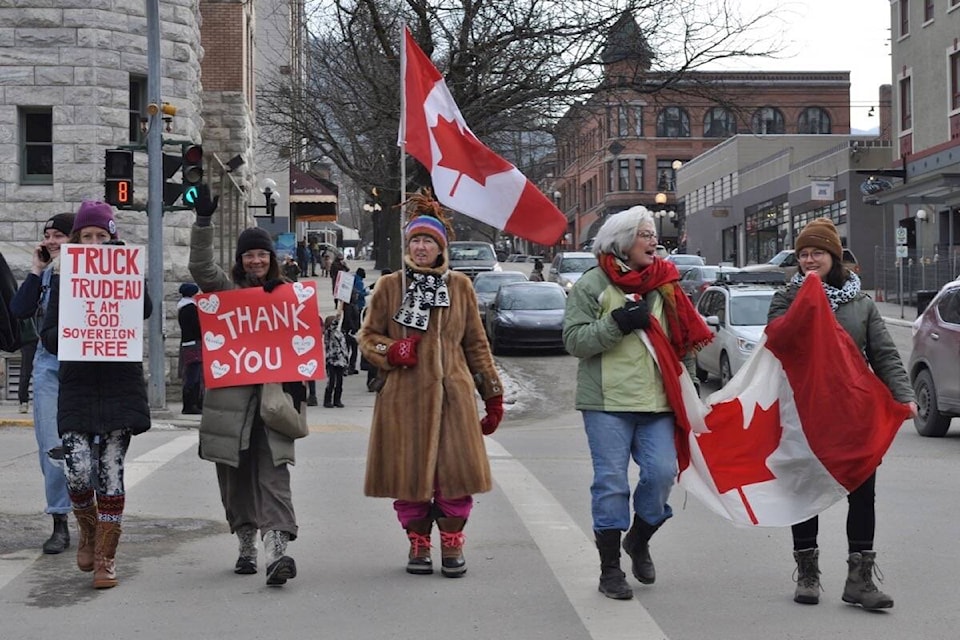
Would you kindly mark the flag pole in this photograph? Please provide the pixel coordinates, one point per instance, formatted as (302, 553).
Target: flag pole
(403, 155)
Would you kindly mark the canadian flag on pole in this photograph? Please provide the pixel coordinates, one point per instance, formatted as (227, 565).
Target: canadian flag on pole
(804, 422)
(467, 176)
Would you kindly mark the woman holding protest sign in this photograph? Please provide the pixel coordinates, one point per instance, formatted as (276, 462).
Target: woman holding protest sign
(423, 331)
(30, 303)
(251, 459)
(102, 403)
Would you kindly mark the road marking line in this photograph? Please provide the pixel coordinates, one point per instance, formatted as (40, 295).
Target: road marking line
(134, 472)
(571, 555)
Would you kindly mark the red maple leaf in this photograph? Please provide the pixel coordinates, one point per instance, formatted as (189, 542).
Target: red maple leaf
(735, 455)
(462, 152)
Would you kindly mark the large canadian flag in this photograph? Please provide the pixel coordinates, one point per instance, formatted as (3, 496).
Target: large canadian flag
(803, 423)
(467, 176)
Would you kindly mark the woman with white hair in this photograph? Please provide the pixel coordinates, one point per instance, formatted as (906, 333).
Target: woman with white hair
(628, 411)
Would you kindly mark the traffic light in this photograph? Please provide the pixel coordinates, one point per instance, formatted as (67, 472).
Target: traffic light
(118, 177)
(171, 190)
(192, 173)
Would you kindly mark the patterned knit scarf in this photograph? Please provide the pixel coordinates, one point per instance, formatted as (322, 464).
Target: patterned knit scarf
(688, 331)
(425, 290)
(835, 297)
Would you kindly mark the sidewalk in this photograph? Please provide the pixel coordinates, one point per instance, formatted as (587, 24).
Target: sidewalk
(358, 402)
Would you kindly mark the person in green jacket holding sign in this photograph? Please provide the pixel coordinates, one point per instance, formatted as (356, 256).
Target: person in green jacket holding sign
(625, 319)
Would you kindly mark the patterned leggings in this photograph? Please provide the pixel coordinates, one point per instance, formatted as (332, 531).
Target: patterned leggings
(95, 471)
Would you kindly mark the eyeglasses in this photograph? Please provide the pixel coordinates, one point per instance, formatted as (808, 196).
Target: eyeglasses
(647, 235)
(816, 254)
(255, 255)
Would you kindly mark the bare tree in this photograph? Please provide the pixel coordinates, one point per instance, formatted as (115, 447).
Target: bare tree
(513, 66)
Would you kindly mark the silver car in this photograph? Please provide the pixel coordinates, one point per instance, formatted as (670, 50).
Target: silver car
(935, 362)
(568, 266)
(737, 314)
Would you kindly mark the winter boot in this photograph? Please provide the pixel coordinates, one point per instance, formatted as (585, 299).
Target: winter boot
(312, 400)
(86, 545)
(247, 562)
(280, 566)
(453, 564)
(808, 576)
(105, 566)
(336, 398)
(637, 545)
(859, 588)
(613, 581)
(328, 397)
(418, 560)
(59, 540)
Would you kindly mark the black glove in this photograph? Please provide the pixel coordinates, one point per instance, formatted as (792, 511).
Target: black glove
(632, 316)
(270, 285)
(205, 205)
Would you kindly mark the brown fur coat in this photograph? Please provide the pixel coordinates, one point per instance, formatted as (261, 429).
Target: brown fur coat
(426, 427)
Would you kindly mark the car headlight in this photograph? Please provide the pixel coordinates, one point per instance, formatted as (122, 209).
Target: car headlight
(567, 285)
(745, 345)
(497, 267)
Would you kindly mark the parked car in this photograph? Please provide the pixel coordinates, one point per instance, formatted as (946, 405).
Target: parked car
(471, 257)
(696, 280)
(487, 284)
(737, 314)
(516, 257)
(787, 263)
(662, 251)
(568, 266)
(684, 261)
(526, 315)
(934, 364)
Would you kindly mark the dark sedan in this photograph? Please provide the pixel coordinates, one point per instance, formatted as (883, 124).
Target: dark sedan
(527, 315)
(696, 280)
(487, 284)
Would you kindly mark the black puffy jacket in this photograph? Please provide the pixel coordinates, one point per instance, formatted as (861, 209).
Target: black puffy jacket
(97, 397)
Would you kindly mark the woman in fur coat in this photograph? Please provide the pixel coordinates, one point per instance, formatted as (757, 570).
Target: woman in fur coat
(423, 331)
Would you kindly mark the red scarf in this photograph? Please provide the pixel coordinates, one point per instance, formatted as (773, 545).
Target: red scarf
(688, 331)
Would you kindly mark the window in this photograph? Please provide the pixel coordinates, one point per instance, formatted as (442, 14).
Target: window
(666, 176)
(36, 145)
(610, 121)
(138, 103)
(623, 175)
(927, 10)
(955, 80)
(813, 120)
(719, 122)
(623, 127)
(906, 100)
(638, 174)
(904, 18)
(767, 120)
(611, 178)
(673, 122)
(638, 122)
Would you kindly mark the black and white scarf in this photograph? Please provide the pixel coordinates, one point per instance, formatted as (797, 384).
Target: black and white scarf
(835, 296)
(424, 291)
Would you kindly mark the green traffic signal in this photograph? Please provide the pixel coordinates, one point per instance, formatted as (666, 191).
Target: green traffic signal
(190, 195)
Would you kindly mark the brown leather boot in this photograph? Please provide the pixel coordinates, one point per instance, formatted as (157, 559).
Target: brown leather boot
(453, 564)
(105, 568)
(418, 560)
(87, 525)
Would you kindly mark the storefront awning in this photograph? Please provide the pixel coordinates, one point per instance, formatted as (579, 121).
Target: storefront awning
(935, 189)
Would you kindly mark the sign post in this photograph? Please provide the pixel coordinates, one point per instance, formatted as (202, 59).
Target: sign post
(901, 238)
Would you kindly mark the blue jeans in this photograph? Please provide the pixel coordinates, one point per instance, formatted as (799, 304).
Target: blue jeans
(46, 389)
(614, 438)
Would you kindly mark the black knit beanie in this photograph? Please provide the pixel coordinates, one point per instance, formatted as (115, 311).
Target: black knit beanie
(254, 238)
(62, 222)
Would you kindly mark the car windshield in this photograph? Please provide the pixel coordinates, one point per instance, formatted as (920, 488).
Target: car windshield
(697, 260)
(707, 273)
(471, 252)
(577, 265)
(780, 257)
(750, 310)
(490, 285)
(530, 298)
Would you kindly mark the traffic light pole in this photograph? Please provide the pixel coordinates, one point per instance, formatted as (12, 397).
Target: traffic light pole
(157, 385)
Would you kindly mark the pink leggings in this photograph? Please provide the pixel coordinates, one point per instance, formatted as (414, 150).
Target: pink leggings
(451, 508)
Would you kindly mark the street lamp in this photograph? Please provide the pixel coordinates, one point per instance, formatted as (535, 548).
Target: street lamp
(270, 198)
(660, 214)
(373, 207)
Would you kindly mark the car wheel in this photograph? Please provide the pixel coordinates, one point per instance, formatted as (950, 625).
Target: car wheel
(930, 423)
(725, 373)
(702, 374)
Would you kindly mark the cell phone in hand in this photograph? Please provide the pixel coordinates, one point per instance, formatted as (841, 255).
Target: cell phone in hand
(44, 254)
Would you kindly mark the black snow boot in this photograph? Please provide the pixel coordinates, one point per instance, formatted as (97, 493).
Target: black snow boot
(613, 581)
(59, 540)
(637, 545)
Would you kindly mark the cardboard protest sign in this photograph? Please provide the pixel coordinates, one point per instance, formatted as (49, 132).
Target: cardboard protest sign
(344, 288)
(252, 337)
(102, 291)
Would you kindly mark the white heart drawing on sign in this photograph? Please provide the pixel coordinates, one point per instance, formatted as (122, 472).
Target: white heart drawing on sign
(209, 305)
(213, 341)
(307, 369)
(303, 344)
(219, 370)
(303, 292)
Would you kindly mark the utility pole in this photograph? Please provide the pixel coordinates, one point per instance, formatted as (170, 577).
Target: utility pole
(157, 388)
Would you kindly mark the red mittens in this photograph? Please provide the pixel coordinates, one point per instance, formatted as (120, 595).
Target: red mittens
(494, 415)
(403, 352)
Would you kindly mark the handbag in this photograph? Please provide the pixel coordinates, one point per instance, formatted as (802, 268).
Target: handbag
(280, 412)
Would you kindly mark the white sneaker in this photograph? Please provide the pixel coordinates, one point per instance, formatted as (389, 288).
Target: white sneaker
(23, 407)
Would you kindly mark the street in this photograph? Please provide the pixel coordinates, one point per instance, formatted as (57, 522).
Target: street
(533, 568)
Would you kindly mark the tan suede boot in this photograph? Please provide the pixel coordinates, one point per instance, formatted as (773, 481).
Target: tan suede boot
(87, 525)
(105, 567)
(453, 564)
(418, 560)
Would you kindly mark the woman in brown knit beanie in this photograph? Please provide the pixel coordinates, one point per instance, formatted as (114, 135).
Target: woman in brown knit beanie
(819, 251)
